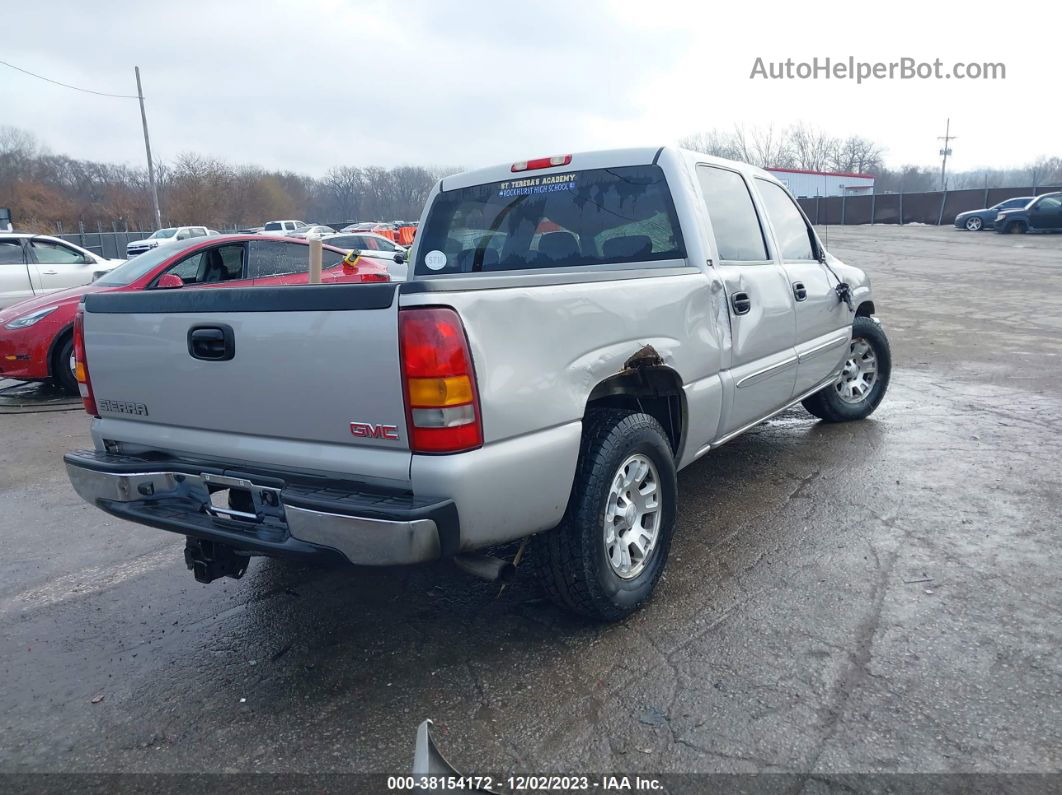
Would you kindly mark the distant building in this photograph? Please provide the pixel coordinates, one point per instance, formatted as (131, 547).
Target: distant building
(809, 184)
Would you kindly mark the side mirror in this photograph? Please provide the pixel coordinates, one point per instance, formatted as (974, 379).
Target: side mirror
(400, 258)
(169, 281)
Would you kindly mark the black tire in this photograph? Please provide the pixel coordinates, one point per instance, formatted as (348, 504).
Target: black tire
(62, 376)
(1017, 228)
(827, 404)
(571, 560)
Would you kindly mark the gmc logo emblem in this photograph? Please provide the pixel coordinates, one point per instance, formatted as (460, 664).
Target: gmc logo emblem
(366, 430)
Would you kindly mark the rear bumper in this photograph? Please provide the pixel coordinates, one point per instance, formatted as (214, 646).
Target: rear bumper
(303, 519)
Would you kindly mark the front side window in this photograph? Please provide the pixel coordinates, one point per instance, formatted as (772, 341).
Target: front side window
(1049, 204)
(790, 228)
(738, 234)
(211, 265)
(579, 218)
(49, 253)
(276, 258)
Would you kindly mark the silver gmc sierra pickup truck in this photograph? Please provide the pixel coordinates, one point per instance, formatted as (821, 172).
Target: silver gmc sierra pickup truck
(575, 330)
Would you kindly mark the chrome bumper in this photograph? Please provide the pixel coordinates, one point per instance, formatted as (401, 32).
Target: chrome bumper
(180, 501)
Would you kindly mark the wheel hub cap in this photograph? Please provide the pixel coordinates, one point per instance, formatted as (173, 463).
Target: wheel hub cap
(859, 374)
(632, 516)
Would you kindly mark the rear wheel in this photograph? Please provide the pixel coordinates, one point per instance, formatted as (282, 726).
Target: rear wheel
(974, 224)
(863, 380)
(63, 366)
(604, 558)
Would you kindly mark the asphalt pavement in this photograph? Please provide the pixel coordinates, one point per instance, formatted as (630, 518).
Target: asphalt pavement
(882, 596)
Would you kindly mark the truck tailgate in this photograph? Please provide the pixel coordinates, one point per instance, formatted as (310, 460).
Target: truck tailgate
(318, 365)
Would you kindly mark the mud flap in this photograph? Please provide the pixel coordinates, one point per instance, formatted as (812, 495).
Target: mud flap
(428, 761)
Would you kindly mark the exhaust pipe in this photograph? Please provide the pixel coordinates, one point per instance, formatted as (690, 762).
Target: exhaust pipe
(486, 567)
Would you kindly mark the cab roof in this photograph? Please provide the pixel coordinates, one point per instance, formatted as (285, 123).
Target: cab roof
(601, 158)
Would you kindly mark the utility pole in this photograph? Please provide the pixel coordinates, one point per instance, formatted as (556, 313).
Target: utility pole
(147, 146)
(945, 151)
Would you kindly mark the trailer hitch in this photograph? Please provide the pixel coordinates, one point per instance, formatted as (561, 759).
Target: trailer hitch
(211, 561)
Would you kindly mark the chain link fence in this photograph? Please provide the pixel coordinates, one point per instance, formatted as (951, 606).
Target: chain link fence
(933, 208)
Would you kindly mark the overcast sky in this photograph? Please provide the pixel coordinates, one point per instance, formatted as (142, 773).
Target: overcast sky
(308, 85)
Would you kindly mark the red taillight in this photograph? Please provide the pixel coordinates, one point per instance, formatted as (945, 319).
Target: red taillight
(81, 373)
(442, 404)
(542, 162)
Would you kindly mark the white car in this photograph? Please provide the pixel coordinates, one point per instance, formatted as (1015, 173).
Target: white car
(375, 247)
(316, 230)
(37, 264)
(283, 228)
(164, 237)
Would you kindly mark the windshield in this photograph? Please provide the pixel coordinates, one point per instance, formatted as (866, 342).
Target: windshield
(580, 218)
(163, 233)
(131, 270)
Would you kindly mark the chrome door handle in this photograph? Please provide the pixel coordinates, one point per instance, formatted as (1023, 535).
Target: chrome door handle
(49, 273)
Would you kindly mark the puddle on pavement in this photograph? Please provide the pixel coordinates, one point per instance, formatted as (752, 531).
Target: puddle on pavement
(20, 397)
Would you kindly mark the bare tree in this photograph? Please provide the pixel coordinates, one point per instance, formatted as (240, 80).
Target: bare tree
(857, 154)
(810, 148)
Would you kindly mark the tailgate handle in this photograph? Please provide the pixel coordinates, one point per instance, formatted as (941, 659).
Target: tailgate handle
(212, 343)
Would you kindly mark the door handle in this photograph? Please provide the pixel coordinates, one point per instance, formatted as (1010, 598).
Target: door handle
(49, 273)
(741, 303)
(211, 343)
(800, 292)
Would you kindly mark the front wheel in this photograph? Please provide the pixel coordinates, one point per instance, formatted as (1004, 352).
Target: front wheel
(604, 558)
(63, 367)
(974, 224)
(863, 380)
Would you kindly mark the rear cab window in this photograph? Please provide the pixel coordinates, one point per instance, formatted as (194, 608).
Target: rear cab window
(577, 218)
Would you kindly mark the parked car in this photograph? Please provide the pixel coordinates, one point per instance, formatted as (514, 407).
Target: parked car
(976, 220)
(316, 230)
(36, 336)
(527, 383)
(391, 255)
(283, 227)
(32, 265)
(165, 237)
(375, 227)
(1044, 214)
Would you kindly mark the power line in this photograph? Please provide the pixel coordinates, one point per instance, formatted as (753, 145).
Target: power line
(67, 85)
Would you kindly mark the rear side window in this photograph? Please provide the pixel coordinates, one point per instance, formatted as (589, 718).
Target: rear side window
(738, 235)
(794, 237)
(579, 218)
(272, 226)
(275, 258)
(11, 252)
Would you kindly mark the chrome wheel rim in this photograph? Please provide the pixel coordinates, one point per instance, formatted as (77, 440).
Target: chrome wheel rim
(632, 516)
(860, 372)
(973, 224)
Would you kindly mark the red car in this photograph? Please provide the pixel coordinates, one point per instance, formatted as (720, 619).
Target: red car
(36, 335)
